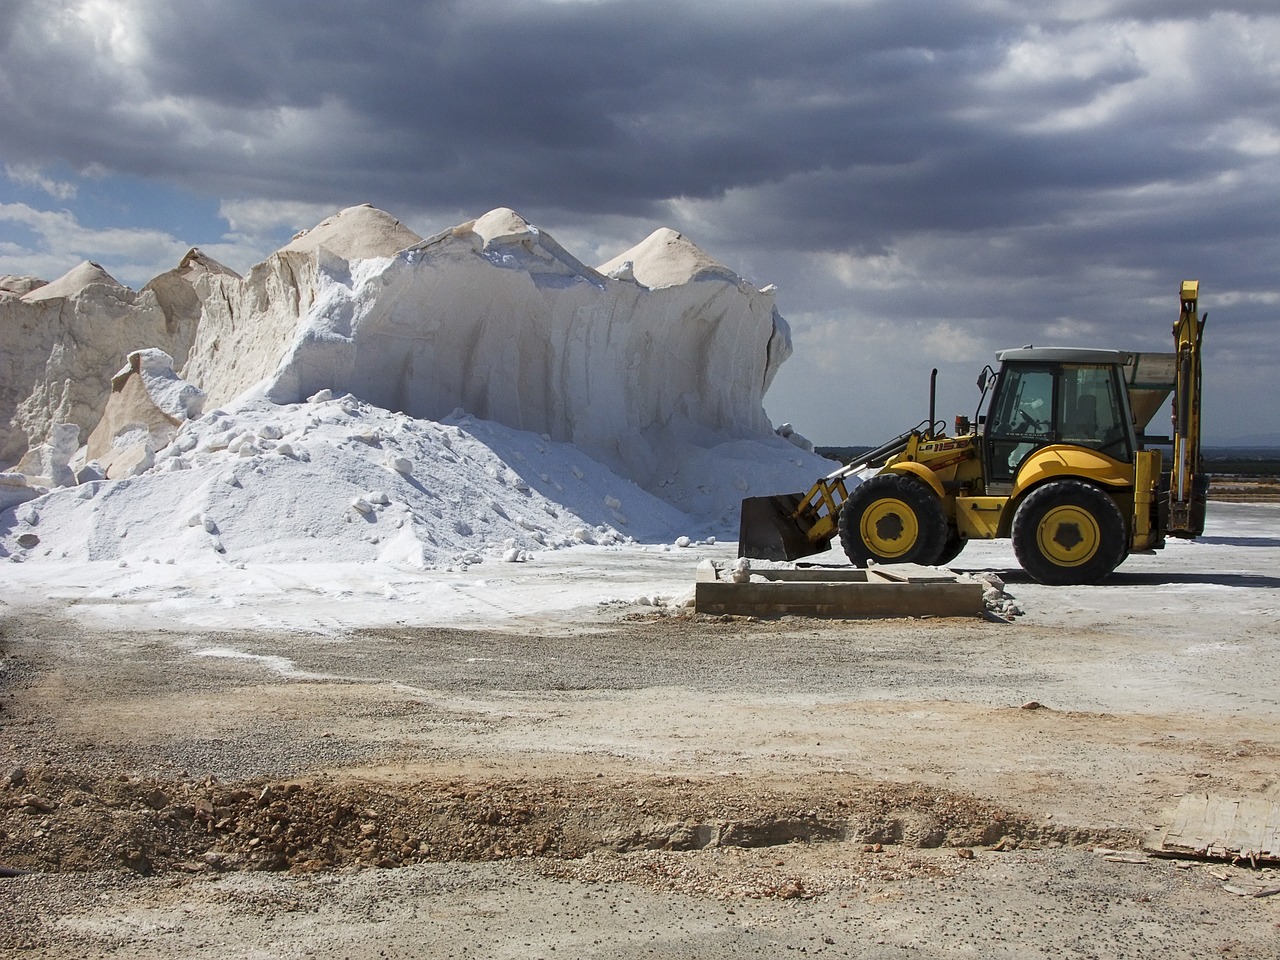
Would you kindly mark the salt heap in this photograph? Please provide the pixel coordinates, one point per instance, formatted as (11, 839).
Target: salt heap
(148, 404)
(61, 342)
(336, 479)
(639, 369)
(384, 397)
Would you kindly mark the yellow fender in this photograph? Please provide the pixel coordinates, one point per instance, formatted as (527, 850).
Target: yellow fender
(921, 471)
(1061, 460)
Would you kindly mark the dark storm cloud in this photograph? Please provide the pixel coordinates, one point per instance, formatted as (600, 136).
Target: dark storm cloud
(584, 106)
(1032, 159)
(865, 111)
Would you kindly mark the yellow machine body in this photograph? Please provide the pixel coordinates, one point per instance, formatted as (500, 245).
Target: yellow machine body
(1068, 475)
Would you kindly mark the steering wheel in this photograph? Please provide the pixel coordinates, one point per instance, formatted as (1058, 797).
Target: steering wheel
(1030, 421)
(1113, 439)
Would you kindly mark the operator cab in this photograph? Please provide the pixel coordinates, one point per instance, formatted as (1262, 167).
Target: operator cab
(1050, 395)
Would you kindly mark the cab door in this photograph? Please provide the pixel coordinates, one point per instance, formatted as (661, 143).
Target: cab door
(1019, 420)
(1036, 404)
(1093, 411)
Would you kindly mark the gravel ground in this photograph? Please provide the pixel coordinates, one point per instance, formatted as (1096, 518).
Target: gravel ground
(648, 785)
(1068, 904)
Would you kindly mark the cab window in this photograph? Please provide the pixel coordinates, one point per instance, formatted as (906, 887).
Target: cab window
(1091, 411)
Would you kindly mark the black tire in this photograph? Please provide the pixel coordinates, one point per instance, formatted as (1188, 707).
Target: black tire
(1069, 532)
(892, 518)
(951, 548)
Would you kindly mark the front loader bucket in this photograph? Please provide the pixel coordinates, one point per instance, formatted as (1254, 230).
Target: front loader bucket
(769, 531)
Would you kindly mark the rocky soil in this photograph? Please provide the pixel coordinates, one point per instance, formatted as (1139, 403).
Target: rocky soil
(681, 786)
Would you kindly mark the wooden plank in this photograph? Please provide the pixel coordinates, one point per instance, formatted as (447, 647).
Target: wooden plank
(1190, 810)
(1219, 823)
(812, 574)
(1227, 828)
(1254, 837)
(910, 573)
(818, 573)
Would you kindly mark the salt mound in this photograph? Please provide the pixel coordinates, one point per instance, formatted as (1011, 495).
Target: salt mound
(496, 317)
(60, 343)
(174, 397)
(147, 406)
(665, 259)
(177, 292)
(510, 399)
(355, 233)
(17, 286)
(338, 479)
(75, 281)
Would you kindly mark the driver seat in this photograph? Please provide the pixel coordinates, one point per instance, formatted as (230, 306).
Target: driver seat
(1085, 422)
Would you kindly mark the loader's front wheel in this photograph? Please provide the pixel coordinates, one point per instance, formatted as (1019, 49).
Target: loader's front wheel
(951, 548)
(1069, 532)
(892, 519)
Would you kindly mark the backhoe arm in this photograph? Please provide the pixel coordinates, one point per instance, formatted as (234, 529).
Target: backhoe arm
(1188, 484)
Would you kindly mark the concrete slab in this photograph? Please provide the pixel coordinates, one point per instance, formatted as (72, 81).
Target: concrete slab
(839, 593)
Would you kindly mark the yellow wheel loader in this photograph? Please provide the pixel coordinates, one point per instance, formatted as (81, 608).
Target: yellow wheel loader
(1059, 462)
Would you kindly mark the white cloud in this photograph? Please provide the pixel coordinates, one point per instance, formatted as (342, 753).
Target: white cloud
(871, 272)
(952, 342)
(30, 175)
(114, 27)
(132, 256)
(1081, 54)
(1251, 137)
(261, 218)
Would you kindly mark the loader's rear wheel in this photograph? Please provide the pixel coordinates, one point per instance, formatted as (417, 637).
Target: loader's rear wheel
(892, 519)
(1069, 532)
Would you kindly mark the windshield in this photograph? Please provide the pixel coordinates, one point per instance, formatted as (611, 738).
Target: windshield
(1036, 405)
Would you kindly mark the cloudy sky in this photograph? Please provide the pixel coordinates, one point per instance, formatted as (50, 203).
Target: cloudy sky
(926, 181)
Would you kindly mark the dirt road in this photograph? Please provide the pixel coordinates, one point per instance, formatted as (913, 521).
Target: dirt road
(650, 785)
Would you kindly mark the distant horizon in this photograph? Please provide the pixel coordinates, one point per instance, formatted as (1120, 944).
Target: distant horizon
(1268, 446)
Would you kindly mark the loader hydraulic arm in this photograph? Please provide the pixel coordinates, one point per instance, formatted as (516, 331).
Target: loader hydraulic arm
(790, 526)
(1188, 484)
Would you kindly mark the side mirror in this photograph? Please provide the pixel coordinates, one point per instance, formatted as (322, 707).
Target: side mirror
(982, 379)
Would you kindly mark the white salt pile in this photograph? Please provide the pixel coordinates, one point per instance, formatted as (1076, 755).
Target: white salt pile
(538, 403)
(496, 317)
(338, 479)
